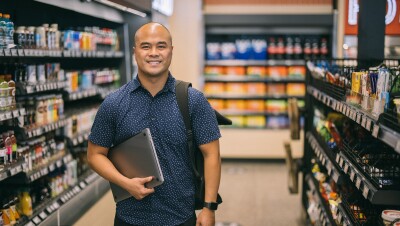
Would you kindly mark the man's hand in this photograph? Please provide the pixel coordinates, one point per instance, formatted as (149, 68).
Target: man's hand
(136, 187)
(206, 218)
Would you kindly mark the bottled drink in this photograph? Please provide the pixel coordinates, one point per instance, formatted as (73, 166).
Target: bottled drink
(2, 32)
(3, 93)
(307, 49)
(26, 204)
(297, 49)
(9, 31)
(20, 38)
(14, 146)
(314, 49)
(324, 48)
(11, 89)
(289, 48)
(13, 203)
(3, 154)
(271, 48)
(8, 145)
(280, 49)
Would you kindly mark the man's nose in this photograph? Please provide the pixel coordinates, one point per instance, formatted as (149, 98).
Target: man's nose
(153, 51)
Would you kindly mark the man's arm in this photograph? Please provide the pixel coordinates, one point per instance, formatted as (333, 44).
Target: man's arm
(98, 161)
(212, 176)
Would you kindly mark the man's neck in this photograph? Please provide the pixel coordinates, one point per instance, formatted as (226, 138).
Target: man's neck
(153, 84)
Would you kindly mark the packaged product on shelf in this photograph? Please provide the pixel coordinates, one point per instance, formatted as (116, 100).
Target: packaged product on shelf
(277, 122)
(256, 88)
(289, 50)
(276, 89)
(237, 121)
(254, 105)
(255, 121)
(277, 71)
(297, 72)
(295, 89)
(213, 51)
(26, 203)
(323, 50)
(217, 104)
(259, 47)
(214, 70)
(297, 49)
(235, 105)
(390, 216)
(4, 93)
(31, 73)
(228, 50)
(307, 49)
(243, 49)
(235, 70)
(315, 48)
(235, 88)
(214, 88)
(276, 106)
(259, 71)
(9, 31)
(271, 49)
(280, 49)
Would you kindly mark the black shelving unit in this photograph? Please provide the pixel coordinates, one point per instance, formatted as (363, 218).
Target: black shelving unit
(371, 191)
(66, 207)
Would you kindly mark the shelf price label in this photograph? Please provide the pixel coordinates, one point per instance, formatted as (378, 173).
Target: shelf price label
(346, 168)
(375, 131)
(365, 192)
(358, 182)
(352, 175)
(43, 215)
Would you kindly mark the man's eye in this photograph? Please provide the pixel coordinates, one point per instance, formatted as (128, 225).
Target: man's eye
(145, 47)
(162, 47)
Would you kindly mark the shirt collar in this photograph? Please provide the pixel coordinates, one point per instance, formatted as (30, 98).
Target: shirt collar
(169, 85)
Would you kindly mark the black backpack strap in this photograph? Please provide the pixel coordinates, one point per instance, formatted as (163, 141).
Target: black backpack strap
(182, 97)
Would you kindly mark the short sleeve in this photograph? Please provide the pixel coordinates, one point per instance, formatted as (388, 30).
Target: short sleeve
(103, 128)
(204, 121)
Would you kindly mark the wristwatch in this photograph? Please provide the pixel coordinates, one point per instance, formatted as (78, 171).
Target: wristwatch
(211, 205)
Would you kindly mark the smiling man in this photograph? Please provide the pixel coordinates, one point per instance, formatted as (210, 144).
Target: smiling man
(149, 101)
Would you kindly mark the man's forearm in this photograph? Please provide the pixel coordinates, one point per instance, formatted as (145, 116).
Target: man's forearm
(212, 174)
(103, 166)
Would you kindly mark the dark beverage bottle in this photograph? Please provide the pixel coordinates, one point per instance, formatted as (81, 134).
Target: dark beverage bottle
(297, 49)
(324, 48)
(271, 48)
(307, 49)
(315, 49)
(289, 48)
(280, 49)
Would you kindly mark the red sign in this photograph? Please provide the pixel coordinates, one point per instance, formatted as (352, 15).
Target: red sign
(392, 18)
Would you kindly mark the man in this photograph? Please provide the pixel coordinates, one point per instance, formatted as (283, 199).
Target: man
(149, 101)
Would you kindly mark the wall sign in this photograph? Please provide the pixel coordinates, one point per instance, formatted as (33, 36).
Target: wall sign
(392, 18)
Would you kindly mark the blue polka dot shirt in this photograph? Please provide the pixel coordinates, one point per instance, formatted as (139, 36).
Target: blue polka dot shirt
(129, 110)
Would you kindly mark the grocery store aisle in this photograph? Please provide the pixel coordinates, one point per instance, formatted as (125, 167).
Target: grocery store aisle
(254, 192)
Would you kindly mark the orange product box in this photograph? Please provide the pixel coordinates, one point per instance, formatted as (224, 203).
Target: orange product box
(235, 105)
(235, 70)
(296, 89)
(297, 71)
(277, 71)
(214, 70)
(276, 106)
(217, 104)
(236, 88)
(214, 88)
(257, 88)
(256, 71)
(237, 121)
(255, 105)
(255, 121)
(276, 89)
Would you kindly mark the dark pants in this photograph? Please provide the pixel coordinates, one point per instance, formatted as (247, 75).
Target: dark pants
(190, 222)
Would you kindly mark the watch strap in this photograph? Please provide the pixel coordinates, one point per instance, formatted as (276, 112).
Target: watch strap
(211, 205)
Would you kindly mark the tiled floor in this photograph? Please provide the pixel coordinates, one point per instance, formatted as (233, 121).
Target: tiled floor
(255, 193)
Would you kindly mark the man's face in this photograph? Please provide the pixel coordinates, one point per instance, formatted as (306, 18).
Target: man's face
(153, 50)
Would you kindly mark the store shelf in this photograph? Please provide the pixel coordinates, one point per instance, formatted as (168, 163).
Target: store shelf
(324, 212)
(251, 113)
(13, 169)
(59, 53)
(39, 130)
(321, 153)
(78, 139)
(6, 115)
(361, 117)
(366, 187)
(23, 88)
(105, 91)
(81, 94)
(48, 168)
(249, 78)
(69, 205)
(254, 62)
(251, 97)
(343, 217)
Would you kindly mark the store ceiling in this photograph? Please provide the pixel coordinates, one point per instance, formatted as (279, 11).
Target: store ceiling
(144, 5)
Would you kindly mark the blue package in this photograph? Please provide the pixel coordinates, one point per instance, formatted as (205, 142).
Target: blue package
(243, 49)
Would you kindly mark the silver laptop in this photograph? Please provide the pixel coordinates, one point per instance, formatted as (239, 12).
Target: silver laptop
(135, 157)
